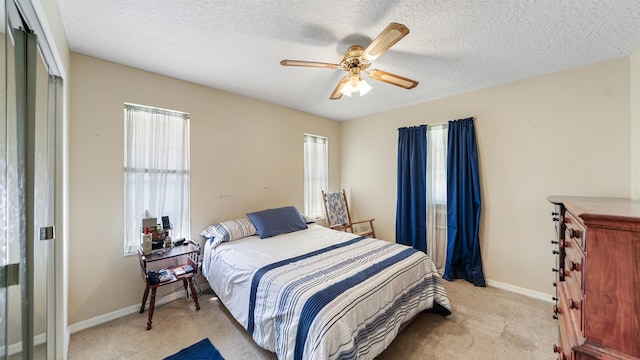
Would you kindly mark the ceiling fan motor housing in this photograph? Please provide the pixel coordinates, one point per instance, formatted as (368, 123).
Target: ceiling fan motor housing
(352, 59)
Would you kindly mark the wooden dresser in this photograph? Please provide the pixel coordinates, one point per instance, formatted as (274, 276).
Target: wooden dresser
(597, 301)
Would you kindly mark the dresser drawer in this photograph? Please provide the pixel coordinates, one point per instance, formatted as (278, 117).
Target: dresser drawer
(574, 263)
(574, 304)
(574, 230)
(566, 330)
(563, 349)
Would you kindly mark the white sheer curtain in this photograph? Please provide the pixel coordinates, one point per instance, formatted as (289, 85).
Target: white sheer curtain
(156, 172)
(437, 195)
(316, 174)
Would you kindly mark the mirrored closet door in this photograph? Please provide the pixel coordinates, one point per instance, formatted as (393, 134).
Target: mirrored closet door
(27, 197)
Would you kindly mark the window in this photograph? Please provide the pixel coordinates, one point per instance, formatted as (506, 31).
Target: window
(437, 163)
(437, 136)
(156, 170)
(316, 174)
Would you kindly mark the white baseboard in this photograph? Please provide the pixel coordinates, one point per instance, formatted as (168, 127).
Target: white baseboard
(520, 290)
(17, 347)
(101, 319)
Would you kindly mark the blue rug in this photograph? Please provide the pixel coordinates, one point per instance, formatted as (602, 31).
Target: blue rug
(202, 350)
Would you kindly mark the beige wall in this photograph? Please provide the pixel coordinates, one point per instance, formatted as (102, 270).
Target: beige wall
(635, 124)
(562, 133)
(245, 155)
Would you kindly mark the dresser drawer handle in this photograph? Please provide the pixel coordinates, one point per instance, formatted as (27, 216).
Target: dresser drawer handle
(557, 310)
(558, 350)
(573, 233)
(574, 305)
(565, 244)
(573, 266)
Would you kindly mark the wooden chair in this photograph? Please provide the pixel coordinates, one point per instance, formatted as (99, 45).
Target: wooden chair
(339, 218)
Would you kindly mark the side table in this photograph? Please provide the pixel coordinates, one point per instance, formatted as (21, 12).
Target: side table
(182, 255)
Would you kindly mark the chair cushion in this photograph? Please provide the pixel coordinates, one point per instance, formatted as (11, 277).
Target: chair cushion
(336, 209)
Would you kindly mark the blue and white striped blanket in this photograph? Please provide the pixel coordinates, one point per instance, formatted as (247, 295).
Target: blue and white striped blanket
(345, 301)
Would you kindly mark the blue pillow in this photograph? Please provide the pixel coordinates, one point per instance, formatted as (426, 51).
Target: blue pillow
(272, 222)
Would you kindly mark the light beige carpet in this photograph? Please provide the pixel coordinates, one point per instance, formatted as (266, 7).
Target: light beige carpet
(487, 323)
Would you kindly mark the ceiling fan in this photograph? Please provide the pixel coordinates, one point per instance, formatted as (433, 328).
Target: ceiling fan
(357, 60)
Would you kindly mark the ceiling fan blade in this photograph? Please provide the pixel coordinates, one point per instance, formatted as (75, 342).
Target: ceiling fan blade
(336, 94)
(392, 79)
(387, 38)
(308, 64)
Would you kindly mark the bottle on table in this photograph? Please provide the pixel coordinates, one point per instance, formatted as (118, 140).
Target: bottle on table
(146, 242)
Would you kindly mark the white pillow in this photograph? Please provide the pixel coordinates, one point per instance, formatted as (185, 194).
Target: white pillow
(228, 230)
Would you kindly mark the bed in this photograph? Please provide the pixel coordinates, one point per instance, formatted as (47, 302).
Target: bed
(317, 293)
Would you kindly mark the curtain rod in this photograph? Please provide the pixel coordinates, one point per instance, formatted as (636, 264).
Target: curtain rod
(427, 125)
(436, 125)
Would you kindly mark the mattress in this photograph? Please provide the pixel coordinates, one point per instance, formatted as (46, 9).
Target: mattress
(320, 293)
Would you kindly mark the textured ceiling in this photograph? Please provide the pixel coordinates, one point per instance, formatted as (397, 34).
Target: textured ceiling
(453, 46)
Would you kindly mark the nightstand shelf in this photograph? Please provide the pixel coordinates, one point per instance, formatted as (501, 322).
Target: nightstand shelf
(182, 255)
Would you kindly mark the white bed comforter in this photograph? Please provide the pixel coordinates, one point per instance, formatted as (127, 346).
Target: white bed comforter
(320, 293)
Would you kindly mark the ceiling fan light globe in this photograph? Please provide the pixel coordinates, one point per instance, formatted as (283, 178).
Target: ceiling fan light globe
(364, 87)
(346, 90)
